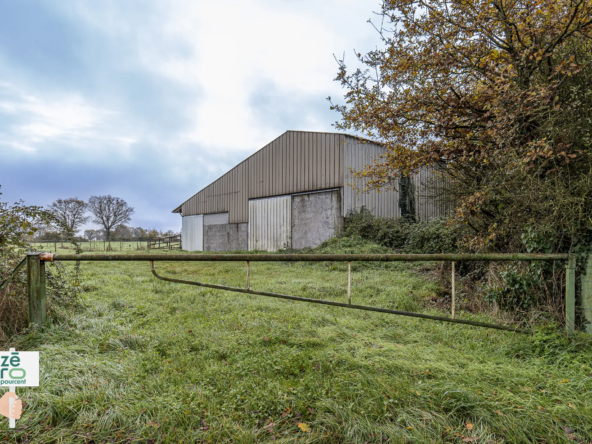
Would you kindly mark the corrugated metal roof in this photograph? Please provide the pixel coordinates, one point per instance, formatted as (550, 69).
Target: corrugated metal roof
(297, 161)
(301, 162)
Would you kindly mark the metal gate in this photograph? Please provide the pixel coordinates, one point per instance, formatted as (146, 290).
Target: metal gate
(36, 276)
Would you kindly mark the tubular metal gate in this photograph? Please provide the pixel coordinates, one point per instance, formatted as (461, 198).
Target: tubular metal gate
(36, 276)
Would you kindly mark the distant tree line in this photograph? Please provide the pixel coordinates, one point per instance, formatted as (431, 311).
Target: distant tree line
(124, 232)
(119, 233)
(110, 213)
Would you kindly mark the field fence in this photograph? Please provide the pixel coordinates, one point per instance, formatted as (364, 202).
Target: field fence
(35, 264)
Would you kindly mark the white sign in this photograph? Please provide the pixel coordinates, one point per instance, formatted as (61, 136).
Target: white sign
(19, 369)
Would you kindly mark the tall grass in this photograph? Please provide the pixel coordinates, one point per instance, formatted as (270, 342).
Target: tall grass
(61, 289)
(150, 361)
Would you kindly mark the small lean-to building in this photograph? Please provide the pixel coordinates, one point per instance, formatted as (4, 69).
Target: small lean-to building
(292, 193)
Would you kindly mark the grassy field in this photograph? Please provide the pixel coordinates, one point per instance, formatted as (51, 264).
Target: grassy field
(92, 246)
(150, 361)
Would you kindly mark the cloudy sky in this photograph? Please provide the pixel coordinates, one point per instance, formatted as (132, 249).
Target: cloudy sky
(151, 101)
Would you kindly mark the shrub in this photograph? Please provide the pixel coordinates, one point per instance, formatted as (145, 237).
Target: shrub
(17, 222)
(434, 236)
(403, 234)
(519, 289)
(523, 286)
(349, 245)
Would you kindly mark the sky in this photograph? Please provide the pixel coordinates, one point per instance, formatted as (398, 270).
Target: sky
(151, 101)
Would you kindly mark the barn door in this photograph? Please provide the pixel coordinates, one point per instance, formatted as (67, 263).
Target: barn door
(192, 233)
(270, 223)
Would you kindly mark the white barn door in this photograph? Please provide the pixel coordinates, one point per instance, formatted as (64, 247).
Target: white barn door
(192, 233)
(270, 223)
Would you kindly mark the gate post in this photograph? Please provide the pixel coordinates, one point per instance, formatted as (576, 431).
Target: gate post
(36, 289)
(570, 295)
(586, 281)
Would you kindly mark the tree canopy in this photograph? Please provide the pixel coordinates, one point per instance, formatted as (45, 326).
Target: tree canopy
(69, 213)
(109, 211)
(497, 95)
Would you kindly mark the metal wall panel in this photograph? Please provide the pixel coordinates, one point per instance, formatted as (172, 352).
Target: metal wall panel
(357, 156)
(430, 200)
(270, 223)
(295, 162)
(300, 161)
(192, 233)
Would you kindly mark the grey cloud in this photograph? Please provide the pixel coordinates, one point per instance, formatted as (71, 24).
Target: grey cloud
(290, 109)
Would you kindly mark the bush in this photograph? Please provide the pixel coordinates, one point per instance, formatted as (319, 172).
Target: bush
(17, 222)
(523, 286)
(519, 288)
(402, 234)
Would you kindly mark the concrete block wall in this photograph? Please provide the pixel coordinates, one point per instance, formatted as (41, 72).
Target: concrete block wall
(316, 217)
(225, 237)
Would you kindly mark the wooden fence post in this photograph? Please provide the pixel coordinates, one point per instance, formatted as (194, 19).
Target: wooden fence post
(36, 289)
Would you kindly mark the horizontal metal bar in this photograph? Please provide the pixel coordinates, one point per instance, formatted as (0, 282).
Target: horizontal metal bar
(311, 257)
(337, 304)
(13, 273)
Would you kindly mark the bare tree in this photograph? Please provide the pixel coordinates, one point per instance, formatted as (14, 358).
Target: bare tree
(90, 234)
(109, 212)
(69, 214)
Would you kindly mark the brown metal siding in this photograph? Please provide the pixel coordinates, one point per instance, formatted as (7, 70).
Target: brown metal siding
(295, 162)
(429, 196)
(304, 161)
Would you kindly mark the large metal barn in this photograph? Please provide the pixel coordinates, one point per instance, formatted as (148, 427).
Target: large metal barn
(292, 193)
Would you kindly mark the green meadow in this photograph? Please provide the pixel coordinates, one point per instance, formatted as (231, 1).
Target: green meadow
(149, 361)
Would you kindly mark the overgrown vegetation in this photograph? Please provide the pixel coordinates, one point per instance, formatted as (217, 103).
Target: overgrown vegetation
(497, 95)
(17, 223)
(403, 234)
(150, 361)
(519, 290)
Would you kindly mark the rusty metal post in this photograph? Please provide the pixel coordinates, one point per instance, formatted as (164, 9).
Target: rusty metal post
(349, 283)
(36, 289)
(570, 295)
(453, 290)
(248, 276)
